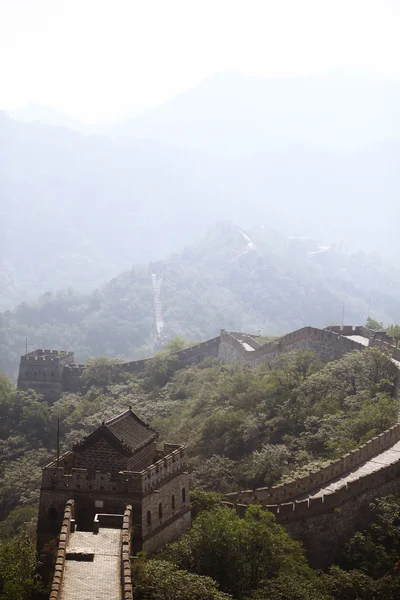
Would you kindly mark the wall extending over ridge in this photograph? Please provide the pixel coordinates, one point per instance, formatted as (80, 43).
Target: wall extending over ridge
(328, 344)
(188, 356)
(323, 521)
(278, 494)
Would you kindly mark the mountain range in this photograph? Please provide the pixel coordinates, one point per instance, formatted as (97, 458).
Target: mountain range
(314, 156)
(232, 278)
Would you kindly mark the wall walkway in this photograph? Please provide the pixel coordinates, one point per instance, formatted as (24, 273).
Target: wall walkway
(98, 579)
(325, 507)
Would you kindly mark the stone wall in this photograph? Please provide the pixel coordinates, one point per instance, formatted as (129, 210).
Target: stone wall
(126, 575)
(304, 485)
(100, 456)
(324, 524)
(49, 372)
(65, 531)
(165, 506)
(115, 490)
(188, 356)
(328, 344)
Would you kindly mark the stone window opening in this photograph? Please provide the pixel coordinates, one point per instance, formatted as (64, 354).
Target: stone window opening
(53, 513)
(160, 511)
(148, 518)
(173, 502)
(183, 495)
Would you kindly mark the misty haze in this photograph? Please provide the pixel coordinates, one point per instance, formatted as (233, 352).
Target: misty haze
(199, 211)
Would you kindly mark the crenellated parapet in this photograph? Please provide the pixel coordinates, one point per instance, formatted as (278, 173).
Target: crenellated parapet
(67, 478)
(329, 501)
(278, 494)
(56, 586)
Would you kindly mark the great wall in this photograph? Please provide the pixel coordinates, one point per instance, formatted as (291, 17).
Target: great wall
(321, 509)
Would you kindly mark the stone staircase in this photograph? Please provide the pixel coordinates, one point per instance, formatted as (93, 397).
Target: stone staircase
(156, 285)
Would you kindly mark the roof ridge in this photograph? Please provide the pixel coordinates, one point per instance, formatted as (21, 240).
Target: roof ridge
(125, 413)
(123, 445)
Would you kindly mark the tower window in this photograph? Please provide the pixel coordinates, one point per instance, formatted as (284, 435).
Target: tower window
(148, 518)
(183, 495)
(53, 513)
(160, 511)
(173, 502)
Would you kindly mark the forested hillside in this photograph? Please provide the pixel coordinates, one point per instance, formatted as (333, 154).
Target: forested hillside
(222, 280)
(243, 428)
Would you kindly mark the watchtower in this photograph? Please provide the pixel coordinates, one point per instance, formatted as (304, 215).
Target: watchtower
(116, 465)
(49, 372)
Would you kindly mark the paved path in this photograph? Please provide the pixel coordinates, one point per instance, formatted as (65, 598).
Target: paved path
(246, 346)
(360, 339)
(374, 464)
(97, 580)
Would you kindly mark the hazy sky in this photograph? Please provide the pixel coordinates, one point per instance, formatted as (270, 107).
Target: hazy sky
(93, 59)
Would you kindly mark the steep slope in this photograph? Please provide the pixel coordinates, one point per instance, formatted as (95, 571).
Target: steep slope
(223, 280)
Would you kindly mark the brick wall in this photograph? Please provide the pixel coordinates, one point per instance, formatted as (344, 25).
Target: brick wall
(126, 575)
(55, 593)
(174, 518)
(282, 493)
(101, 456)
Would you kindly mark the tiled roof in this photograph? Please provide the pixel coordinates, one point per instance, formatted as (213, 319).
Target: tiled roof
(125, 432)
(131, 430)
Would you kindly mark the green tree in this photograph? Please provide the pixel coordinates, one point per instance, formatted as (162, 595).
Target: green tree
(374, 325)
(240, 554)
(102, 371)
(17, 569)
(394, 331)
(161, 580)
(376, 550)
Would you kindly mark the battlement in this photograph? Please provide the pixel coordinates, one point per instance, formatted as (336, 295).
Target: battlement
(49, 356)
(187, 356)
(333, 338)
(282, 493)
(328, 502)
(41, 359)
(67, 477)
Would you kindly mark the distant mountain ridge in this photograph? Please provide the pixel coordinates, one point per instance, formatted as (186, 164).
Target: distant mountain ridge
(235, 114)
(222, 280)
(78, 209)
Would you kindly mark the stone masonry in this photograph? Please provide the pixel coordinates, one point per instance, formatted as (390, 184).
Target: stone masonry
(101, 476)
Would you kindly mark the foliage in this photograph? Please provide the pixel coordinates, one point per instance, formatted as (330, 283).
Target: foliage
(161, 580)
(211, 284)
(17, 569)
(374, 325)
(394, 331)
(240, 554)
(376, 550)
(102, 371)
